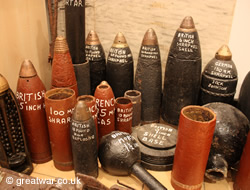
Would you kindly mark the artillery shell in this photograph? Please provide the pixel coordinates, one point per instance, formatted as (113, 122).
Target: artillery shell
(63, 75)
(75, 30)
(195, 134)
(14, 153)
(105, 101)
(135, 97)
(120, 66)
(90, 101)
(219, 78)
(182, 74)
(148, 78)
(242, 181)
(30, 95)
(244, 96)
(59, 105)
(123, 114)
(96, 56)
(83, 140)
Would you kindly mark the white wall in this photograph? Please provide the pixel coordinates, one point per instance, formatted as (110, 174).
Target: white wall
(239, 42)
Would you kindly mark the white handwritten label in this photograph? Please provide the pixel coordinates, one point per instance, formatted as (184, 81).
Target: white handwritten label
(157, 135)
(127, 141)
(105, 110)
(149, 52)
(124, 115)
(119, 55)
(186, 42)
(60, 116)
(222, 70)
(31, 101)
(93, 52)
(81, 132)
(74, 3)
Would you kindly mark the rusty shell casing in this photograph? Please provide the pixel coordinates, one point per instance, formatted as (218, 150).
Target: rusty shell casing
(83, 140)
(105, 101)
(219, 78)
(148, 78)
(14, 153)
(242, 181)
(182, 73)
(59, 105)
(195, 134)
(229, 138)
(90, 101)
(123, 114)
(82, 73)
(135, 97)
(96, 56)
(63, 75)
(30, 95)
(244, 96)
(120, 66)
(75, 29)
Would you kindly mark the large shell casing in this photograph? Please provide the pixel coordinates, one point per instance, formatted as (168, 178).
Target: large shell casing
(182, 73)
(195, 134)
(228, 141)
(242, 181)
(148, 78)
(82, 73)
(63, 74)
(219, 78)
(14, 153)
(105, 101)
(120, 66)
(83, 140)
(244, 96)
(96, 56)
(135, 97)
(90, 101)
(30, 95)
(75, 29)
(123, 114)
(59, 105)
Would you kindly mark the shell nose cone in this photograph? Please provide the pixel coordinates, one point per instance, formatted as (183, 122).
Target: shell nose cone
(4, 85)
(150, 37)
(120, 40)
(224, 53)
(27, 69)
(81, 112)
(61, 45)
(187, 23)
(92, 38)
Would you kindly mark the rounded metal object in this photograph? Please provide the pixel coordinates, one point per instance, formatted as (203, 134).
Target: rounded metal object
(119, 155)
(229, 139)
